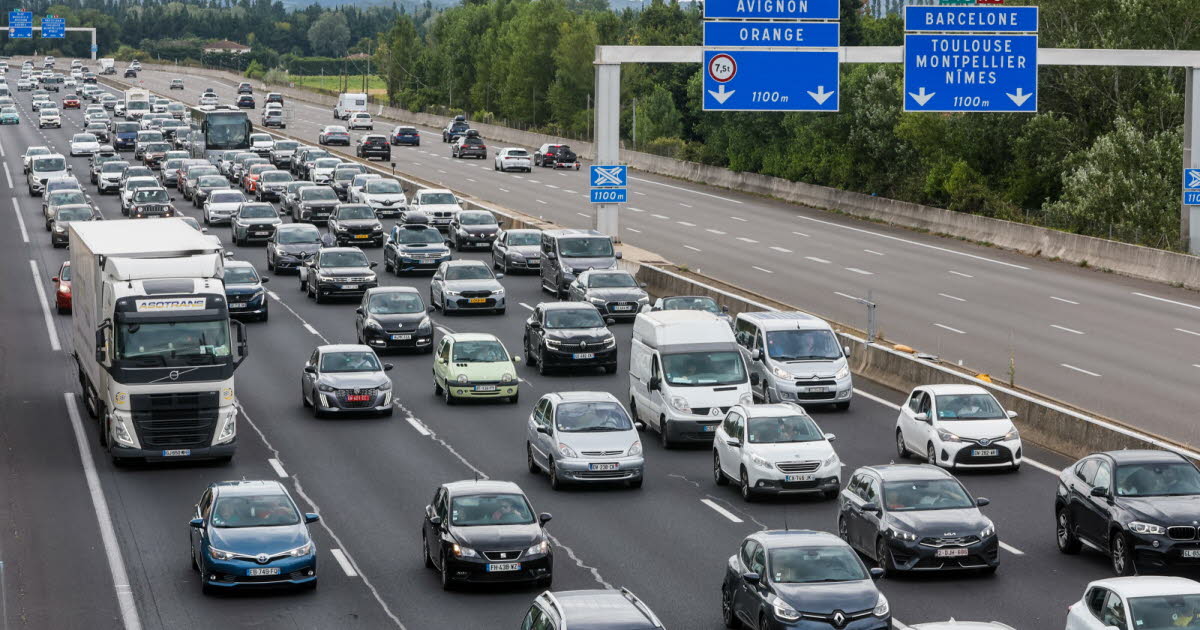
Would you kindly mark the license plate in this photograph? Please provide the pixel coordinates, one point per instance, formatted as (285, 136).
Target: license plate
(603, 466)
(485, 388)
(507, 566)
(622, 308)
(951, 553)
(262, 233)
(584, 355)
(263, 571)
(707, 428)
(1190, 553)
(401, 337)
(237, 305)
(477, 300)
(362, 236)
(985, 452)
(795, 478)
(177, 452)
(818, 389)
(358, 398)
(349, 287)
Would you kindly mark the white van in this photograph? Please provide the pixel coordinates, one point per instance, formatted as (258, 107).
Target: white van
(349, 103)
(685, 372)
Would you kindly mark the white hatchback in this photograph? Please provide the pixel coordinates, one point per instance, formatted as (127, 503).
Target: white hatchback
(1144, 602)
(360, 120)
(775, 449)
(958, 426)
(513, 159)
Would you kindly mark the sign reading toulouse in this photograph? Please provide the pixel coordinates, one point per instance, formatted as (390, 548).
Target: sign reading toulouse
(773, 9)
(807, 34)
(54, 27)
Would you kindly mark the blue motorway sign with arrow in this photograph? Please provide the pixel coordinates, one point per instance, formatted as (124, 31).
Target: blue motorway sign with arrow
(54, 27)
(20, 24)
(1191, 186)
(788, 34)
(771, 81)
(772, 9)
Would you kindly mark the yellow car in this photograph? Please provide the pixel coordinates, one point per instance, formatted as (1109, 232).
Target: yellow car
(474, 365)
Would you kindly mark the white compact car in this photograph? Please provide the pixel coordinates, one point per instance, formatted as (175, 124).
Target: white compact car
(513, 159)
(49, 117)
(1144, 602)
(958, 426)
(84, 144)
(360, 120)
(775, 449)
(962, 625)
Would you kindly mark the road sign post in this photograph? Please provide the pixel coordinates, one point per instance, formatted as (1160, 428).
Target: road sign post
(54, 27)
(20, 24)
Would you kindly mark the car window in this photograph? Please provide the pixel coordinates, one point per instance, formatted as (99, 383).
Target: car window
(1086, 470)
(1113, 613)
(758, 562)
(532, 618)
(343, 259)
(394, 303)
(611, 280)
(747, 553)
(1103, 476)
(539, 412)
(1158, 479)
(914, 402)
(783, 429)
(1095, 600)
(490, 509)
(468, 272)
(483, 351)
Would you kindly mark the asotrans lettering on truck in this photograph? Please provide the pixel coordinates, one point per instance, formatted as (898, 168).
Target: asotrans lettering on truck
(152, 337)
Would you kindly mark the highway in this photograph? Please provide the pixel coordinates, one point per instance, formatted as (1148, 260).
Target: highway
(1116, 346)
(370, 479)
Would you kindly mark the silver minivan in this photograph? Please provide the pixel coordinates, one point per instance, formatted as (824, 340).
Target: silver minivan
(583, 437)
(44, 167)
(794, 357)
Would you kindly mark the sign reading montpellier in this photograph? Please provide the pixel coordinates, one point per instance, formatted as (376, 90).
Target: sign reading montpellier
(772, 9)
(970, 59)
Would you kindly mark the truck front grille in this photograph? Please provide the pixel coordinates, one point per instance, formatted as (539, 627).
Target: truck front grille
(177, 420)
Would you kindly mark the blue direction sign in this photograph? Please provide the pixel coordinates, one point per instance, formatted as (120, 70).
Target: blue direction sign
(609, 176)
(971, 19)
(54, 27)
(771, 81)
(772, 9)
(20, 24)
(970, 73)
(95, 48)
(610, 195)
(1191, 186)
(788, 34)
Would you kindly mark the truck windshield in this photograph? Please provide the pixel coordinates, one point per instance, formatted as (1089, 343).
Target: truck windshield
(171, 344)
(704, 369)
(228, 130)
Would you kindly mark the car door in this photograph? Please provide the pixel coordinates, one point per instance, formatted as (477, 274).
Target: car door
(1094, 513)
(436, 286)
(1114, 612)
(442, 363)
(1079, 487)
(498, 245)
(850, 509)
(922, 430)
(1087, 616)
(743, 592)
(433, 533)
(308, 378)
(725, 433)
(549, 263)
(868, 523)
(547, 441)
(576, 291)
(201, 510)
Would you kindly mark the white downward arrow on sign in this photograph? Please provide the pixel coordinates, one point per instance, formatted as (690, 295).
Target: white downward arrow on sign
(820, 96)
(721, 95)
(921, 97)
(1020, 97)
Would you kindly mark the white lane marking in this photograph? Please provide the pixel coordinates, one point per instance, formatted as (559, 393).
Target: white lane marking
(800, 234)
(20, 220)
(416, 425)
(41, 293)
(278, 467)
(8, 176)
(582, 214)
(686, 224)
(684, 205)
(519, 176)
(444, 330)
(1040, 466)
(782, 250)
(1072, 330)
(871, 251)
(720, 510)
(504, 190)
(441, 171)
(470, 180)
(959, 273)
(953, 330)
(635, 209)
(540, 201)
(1078, 369)
(568, 190)
(863, 272)
(634, 230)
(661, 216)
(274, 295)
(534, 181)
(845, 295)
(1011, 549)
(636, 192)
(746, 240)
(524, 305)
(951, 297)
(1190, 332)
(717, 232)
(695, 249)
(1152, 297)
(344, 562)
(738, 219)
(763, 270)
(694, 192)
(917, 243)
(552, 185)
(1052, 297)
(2, 154)
(312, 330)
(818, 260)
(108, 534)
(897, 625)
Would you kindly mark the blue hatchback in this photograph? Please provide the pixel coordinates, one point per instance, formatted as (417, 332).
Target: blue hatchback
(405, 135)
(250, 533)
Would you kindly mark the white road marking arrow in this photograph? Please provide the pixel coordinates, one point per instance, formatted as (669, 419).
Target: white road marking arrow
(721, 95)
(921, 97)
(1020, 97)
(820, 96)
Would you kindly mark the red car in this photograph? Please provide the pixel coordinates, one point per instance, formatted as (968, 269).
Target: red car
(70, 102)
(62, 293)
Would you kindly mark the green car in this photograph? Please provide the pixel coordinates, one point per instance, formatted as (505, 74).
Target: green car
(476, 366)
(9, 116)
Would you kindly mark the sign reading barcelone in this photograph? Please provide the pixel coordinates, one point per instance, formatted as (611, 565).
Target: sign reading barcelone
(993, 19)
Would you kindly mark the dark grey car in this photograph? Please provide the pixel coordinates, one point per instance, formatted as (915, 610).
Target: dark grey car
(254, 221)
(517, 250)
(615, 293)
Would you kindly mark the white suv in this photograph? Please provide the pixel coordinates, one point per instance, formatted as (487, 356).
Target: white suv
(775, 449)
(1144, 602)
(958, 426)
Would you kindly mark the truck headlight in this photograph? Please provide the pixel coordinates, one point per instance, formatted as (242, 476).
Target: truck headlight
(229, 431)
(680, 404)
(121, 433)
(746, 399)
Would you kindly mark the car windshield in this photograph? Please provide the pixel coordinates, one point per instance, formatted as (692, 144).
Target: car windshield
(1158, 479)
(479, 352)
(691, 304)
(258, 211)
(170, 344)
(524, 238)
(346, 174)
(260, 137)
(809, 565)
(395, 303)
(74, 214)
(968, 407)
(65, 197)
(152, 195)
(692, 369)
(468, 272)
(343, 259)
(326, 163)
(802, 345)
(589, 417)
(138, 183)
(150, 136)
(782, 429)
(423, 236)
(477, 218)
(32, 151)
(318, 193)
(316, 155)
(585, 247)
(126, 127)
(1164, 612)
(490, 509)
(240, 275)
(49, 111)
(459, 126)
(49, 164)
(155, 147)
(83, 137)
(227, 196)
(350, 362)
(925, 494)
(210, 181)
(611, 280)
(139, 171)
(277, 176)
(355, 212)
(266, 510)
(305, 234)
(114, 167)
(438, 199)
(574, 318)
(286, 145)
(383, 186)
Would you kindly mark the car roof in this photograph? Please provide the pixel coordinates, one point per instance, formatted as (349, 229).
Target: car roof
(573, 232)
(344, 347)
(601, 608)
(909, 472)
(481, 486)
(392, 289)
(465, 263)
(595, 396)
(775, 538)
(953, 388)
(784, 320)
(249, 487)
(472, 337)
(1144, 456)
(523, 231)
(230, 264)
(332, 250)
(564, 306)
(1146, 585)
(772, 410)
(961, 625)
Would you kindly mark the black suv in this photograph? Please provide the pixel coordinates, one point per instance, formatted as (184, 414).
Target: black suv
(373, 146)
(556, 156)
(356, 223)
(291, 245)
(1139, 506)
(569, 334)
(245, 101)
(596, 609)
(337, 272)
(394, 318)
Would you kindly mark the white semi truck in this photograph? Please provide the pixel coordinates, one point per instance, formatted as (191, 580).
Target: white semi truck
(153, 341)
(137, 103)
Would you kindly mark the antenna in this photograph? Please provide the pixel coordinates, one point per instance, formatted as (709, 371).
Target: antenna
(785, 521)
(476, 476)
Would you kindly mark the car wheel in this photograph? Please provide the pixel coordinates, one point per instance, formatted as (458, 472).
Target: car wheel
(718, 475)
(448, 397)
(447, 584)
(192, 557)
(318, 296)
(541, 364)
(728, 617)
(529, 461)
(843, 530)
(748, 494)
(663, 440)
(1122, 555)
(304, 399)
(425, 551)
(931, 455)
(387, 264)
(842, 406)
(555, 482)
(270, 263)
(901, 449)
(884, 557)
(529, 360)
(437, 389)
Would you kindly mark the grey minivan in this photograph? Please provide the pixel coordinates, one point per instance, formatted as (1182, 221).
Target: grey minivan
(583, 437)
(567, 253)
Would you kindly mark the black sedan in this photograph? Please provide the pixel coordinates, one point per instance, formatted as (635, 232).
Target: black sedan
(1139, 506)
(337, 272)
(486, 531)
(374, 146)
(569, 334)
(291, 245)
(394, 318)
(244, 291)
(614, 293)
(916, 518)
(801, 579)
(356, 224)
(472, 228)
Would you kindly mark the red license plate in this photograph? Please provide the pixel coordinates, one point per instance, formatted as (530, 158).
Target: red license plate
(358, 398)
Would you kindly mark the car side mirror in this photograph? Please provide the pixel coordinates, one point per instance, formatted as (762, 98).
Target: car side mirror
(724, 309)
(435, 520)
(499, 276)
(876, 573)
(655, 383)
(310, 369)
(54, 279)
(1099, 491)
(387, 367)
(544, 518)
(359, 310)
(516, 358)
(172, 199)
(639, 425)
(751, 577)
(373, 264)
(870, 507)
(1011, 413)
(618, 256)
(735, 443)
(429, 309)
(758, 354)
(312, 517)
(541, 428)
(829, 437)
(197, 523)
(643, 285)
(982, 501)
(846, 350)
(921, 417)
(264, 280)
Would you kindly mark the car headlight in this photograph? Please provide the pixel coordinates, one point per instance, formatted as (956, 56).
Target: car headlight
(611, 342)
(746, 399)
(842, 373)
(462, 378)
(780, 372)
(881, 607)
(217, 554)
(1012, 434)
(464, 552)
(516, 257)
(551, 343)
(680, 404)
(538, 549)
(832, 460)
(784, 610)
(322, 387)
(425, 325)
(645, 299)
(988, 530)
(900, 534)
(321, 278)
(450, 292)
(377, 228)
(635, 449)
(596, 300)
(947, 436)
(1139, 527)
(370, 323)
(302, 550)
(385, 386)
(759, 460)
(566, 451)
(506, 378)
(259, 293)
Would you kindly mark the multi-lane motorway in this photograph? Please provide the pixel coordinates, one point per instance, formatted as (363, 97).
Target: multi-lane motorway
(1120, 347)
(371, 478)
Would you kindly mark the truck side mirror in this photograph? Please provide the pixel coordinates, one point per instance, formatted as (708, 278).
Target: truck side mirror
(101, 350)
(243, 344)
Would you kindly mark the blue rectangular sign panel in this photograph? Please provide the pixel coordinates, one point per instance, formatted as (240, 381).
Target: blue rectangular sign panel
(971, 19)
(20, 24)
(54, 27)
(1191, 179)
(609, 176)
(803, 34)
(771, 81)
(970, 73)
(1191, 197)
(610, 195)
(773, 9)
